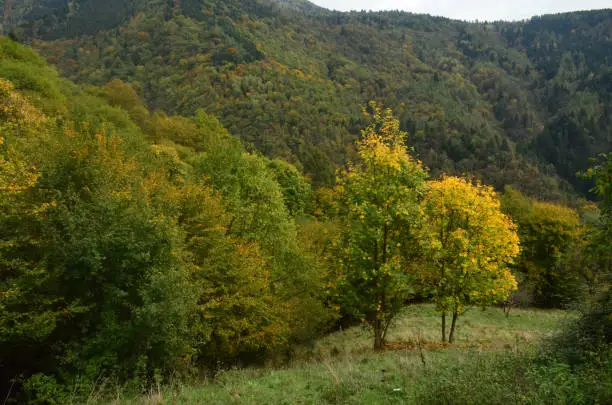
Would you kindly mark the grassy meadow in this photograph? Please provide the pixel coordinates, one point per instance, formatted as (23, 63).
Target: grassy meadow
(488, 364)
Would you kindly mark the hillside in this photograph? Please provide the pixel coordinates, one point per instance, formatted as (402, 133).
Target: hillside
(142, 250)
(108, 227)
(512, 103)
(340, 369)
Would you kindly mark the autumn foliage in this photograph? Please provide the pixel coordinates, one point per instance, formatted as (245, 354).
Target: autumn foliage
(470, 244)
(140, 245)
(448, 237)
(378, 196)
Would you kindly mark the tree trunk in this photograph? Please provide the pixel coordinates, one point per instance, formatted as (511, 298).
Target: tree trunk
(444, 326)
(451, 336)
(379, 338)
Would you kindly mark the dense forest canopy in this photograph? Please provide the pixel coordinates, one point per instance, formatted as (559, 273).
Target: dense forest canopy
(192, 185)
(524, 104)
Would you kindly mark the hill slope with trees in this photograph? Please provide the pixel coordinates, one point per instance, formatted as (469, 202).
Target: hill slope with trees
(137, 246)
(170, 204)
(521, 104)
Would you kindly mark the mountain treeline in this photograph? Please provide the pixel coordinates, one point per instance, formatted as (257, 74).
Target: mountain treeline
(523, 104)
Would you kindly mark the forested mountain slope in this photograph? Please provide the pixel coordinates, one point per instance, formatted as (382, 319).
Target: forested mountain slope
(139, 247)
(525, 104)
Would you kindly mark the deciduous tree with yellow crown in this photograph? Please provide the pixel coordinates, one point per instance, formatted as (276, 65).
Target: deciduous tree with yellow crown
(470, 244)
(380, 193)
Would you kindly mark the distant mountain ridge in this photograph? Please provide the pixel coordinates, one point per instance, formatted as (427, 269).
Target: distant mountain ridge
(303, 5)
(524, 104)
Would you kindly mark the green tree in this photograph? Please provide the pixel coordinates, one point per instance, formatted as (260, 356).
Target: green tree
(296, 189)
(380, 193)
(123, 95)
(550, 235)
(600, 246)
(95, 266)
(471, 244)
(258, 212)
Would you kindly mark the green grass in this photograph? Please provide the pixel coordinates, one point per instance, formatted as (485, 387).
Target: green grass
(487, 329)
(342, 369)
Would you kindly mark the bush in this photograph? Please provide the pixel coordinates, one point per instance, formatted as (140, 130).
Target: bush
(515, 379)
(41, 389)
(588, 340)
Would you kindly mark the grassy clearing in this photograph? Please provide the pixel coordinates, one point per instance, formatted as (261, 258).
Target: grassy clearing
(487, 329)
(341, 368)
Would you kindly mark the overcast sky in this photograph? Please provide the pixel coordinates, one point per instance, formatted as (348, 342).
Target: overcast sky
(470, 9)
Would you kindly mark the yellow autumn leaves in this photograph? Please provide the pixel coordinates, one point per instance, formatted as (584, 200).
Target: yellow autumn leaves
(15, 110)
(470, 244)
(382, 147)
(449, 235)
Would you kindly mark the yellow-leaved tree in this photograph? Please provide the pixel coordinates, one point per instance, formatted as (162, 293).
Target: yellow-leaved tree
(380, 194)
(470, 244)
